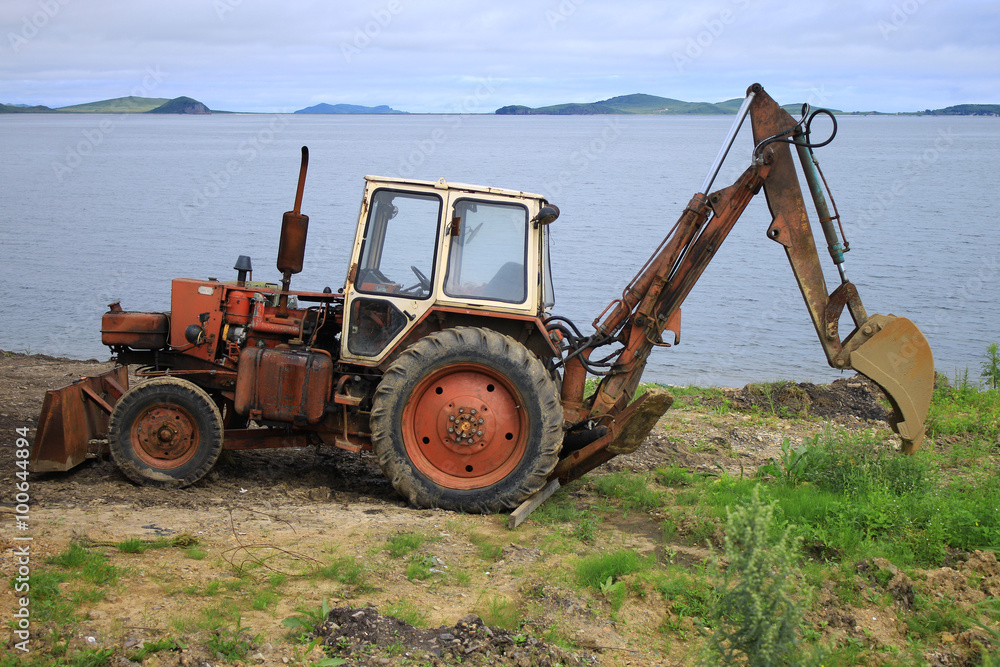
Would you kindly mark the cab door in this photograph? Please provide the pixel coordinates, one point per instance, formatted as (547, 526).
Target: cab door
(392, 277)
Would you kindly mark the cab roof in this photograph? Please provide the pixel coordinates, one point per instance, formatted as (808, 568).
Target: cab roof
(442, 184)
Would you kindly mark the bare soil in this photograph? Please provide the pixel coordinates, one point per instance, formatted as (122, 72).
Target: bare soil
(285, 510)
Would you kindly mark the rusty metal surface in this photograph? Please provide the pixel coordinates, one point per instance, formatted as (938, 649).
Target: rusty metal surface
(73, 416)
(790, 225)
(139, 331)
(898, 358)
(286, 385)
(625, 433)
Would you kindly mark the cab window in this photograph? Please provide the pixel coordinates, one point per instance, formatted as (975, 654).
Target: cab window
(397, 253)
(487, 251)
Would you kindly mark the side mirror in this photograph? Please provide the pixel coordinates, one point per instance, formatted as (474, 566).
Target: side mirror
(546, 215)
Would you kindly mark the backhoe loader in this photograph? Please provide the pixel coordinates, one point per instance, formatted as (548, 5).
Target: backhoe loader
(440, 352)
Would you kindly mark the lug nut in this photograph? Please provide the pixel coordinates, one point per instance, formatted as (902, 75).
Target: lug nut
(451, 430)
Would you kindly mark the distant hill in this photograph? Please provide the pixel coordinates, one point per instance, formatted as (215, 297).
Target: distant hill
(128, 104)
(628, 104)
(347, 108)
(183, 105)
(21, 108)
(639, 103)
(966, 110)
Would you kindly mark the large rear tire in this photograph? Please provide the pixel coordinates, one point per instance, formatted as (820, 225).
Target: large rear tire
(166, 432)
(467, 419)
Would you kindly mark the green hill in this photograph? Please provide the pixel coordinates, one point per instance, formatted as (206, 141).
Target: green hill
(183, 105)
(117, 105)
(16, 108)
(638, 103)
(967, 110)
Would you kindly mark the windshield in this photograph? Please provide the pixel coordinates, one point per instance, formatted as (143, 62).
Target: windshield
(397, 255)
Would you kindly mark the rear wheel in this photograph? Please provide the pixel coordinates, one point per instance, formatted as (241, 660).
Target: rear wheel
(166, 432)
(467, 419)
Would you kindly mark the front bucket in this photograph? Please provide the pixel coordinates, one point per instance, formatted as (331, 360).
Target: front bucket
(72, 417)
(899, 360)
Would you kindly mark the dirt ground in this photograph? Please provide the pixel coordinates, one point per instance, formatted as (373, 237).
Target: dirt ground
(301, 505)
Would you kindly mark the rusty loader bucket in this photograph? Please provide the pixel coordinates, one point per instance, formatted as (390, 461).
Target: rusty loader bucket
(72, 417)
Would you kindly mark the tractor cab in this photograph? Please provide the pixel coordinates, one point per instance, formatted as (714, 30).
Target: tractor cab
(425, 247)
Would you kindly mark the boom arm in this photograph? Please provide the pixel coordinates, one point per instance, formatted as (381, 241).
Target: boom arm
(889, 350)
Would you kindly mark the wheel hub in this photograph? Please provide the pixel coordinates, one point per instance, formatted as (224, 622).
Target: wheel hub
(164, 435)
(465, 427)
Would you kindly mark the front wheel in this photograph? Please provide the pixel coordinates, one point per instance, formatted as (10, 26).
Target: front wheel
(467, 419)
(165, 432)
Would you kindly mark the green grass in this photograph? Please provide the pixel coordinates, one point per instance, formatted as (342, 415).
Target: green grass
(402, 544)
(408, 612)
(346, 570)
(499, 611)
(594, 571)
(629, 490)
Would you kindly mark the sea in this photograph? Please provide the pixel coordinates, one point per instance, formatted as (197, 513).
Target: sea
(103, 208)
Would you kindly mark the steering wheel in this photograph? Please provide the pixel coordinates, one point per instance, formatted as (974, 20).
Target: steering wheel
(424, 286)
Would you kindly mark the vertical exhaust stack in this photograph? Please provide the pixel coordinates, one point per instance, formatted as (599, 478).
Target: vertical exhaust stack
(292, 245)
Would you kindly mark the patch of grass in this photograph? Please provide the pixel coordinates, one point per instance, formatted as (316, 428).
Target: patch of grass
(402, 544)
(964, 411)
(408, 612)
(489, 549)
(674, 476)
(499, 611)
(264, 599)
(151, 648)
(194, 552)
(687, 595)
(346, 570)
(420, 567)
(594, 571)
(303, 624)
(231, 644)
(632, 491)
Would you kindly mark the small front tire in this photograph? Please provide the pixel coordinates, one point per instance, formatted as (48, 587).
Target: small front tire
(167, 432)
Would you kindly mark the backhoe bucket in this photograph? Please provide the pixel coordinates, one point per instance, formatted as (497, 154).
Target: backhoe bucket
(72, 417)
(899, 360)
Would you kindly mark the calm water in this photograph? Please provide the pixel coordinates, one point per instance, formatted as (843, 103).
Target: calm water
(101, 208)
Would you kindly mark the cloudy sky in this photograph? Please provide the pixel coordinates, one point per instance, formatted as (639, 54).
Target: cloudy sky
(468, 56)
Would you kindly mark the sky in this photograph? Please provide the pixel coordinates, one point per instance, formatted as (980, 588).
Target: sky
(432, 56)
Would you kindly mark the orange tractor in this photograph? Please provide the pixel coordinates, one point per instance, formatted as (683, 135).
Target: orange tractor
(439, 352)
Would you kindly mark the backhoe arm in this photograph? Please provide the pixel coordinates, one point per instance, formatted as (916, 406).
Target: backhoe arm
(889, 350)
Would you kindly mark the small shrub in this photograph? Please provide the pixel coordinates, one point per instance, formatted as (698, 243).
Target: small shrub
(756, 618)
(991, 367)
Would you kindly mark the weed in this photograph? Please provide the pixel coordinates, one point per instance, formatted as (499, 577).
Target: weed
(498, 611)
(421, 567)
(194, 552)
(757, 619)
(303, 624)
(489, 549)
(674, 476)
(632, 491)
(347, 570)
(991, 367)
(231, 644)
(264, 599)
(594, 571)
(150, 648)
(403, 543)
(407, 612)
(793, 463)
